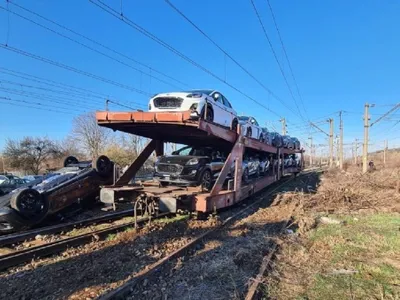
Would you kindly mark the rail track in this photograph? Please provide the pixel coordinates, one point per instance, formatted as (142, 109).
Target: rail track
(14, 238)
(25, 255)
(123, 291)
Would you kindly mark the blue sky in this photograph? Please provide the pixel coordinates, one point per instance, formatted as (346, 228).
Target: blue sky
(343, 54)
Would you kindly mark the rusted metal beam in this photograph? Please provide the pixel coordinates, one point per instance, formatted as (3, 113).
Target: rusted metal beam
(137, 163)
(159, 148)
(233, 155)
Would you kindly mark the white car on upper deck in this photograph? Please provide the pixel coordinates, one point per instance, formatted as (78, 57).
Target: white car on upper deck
(208, 104)
(250, 127)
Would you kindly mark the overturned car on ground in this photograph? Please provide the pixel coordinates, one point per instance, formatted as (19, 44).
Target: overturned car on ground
(31, 204)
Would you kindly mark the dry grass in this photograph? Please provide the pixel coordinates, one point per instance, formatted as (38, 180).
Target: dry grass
(356, 259)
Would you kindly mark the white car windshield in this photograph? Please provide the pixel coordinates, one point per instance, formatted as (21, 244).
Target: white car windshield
(207, 92)
(243, 118)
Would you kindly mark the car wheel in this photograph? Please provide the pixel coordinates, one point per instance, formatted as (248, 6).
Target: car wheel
(245, 176)
(261, 139)
(70, 160)
(209, 115)
(164, 183)
(104, 166)
(234, 125)
(206, 180)
(248, 132)
(30, 204)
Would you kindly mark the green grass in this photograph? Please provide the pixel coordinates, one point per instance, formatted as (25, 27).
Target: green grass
(369, 245)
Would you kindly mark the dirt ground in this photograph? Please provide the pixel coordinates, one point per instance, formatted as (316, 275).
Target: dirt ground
(88, 271)
(346, 243)
(224, 265)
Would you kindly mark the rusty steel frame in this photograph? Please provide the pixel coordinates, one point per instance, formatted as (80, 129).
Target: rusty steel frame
(137, 163)
(217, 198)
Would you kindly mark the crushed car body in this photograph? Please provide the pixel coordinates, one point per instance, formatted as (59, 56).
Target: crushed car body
(32, 203)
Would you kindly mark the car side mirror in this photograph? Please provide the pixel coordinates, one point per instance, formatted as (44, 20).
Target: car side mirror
(174, 153)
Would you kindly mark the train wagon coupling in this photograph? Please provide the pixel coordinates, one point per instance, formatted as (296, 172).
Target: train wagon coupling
(232, 183)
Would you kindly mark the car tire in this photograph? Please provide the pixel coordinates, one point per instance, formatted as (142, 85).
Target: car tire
(104, 166)
(234, 125)
(206, 180)
(70, 160)
(30, 204)
(209, 117)
(249, 132)
(245, 176)
(164, 183)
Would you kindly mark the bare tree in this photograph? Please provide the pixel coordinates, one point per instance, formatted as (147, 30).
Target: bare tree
(89, 136)
(30, 154)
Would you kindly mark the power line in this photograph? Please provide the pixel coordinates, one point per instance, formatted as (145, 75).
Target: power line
(34, 103)
(276, 58)
(227, 54)
(45, 81)
(88, 47)
(287, 57)
(69, 68)
(143, 31)
(101, 45)
(45, 97)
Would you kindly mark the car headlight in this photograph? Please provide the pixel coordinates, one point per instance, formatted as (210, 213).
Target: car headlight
(193, 161)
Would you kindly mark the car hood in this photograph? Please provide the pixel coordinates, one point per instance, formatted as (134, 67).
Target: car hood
(177, 159)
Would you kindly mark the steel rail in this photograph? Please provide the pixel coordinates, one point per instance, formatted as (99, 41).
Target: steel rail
(22, 256)
(253, 289)
(23, 236)
(122, 291)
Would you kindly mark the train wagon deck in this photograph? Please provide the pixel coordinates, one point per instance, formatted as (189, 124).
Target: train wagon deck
(178, 127)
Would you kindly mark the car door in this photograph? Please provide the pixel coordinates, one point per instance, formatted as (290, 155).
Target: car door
(230, 113)
(219, 112)
(255, 129)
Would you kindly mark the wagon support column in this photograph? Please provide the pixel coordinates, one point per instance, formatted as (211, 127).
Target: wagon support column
(153, 145)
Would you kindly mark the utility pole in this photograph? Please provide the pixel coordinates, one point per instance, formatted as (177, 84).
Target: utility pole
(356, 152)
(337, 150)
(384, 152)
(341, 142)
(365, 145)
(283, 121)
(311, 150)
(330, 142)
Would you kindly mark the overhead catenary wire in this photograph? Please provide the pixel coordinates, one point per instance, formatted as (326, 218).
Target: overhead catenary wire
(34, 107)
(37, 104)
(143, 31)
(72, 69)
(226, 54)
(45, 81)
(103, 46)
(286, 56)
(64, 101)
(276, 58)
